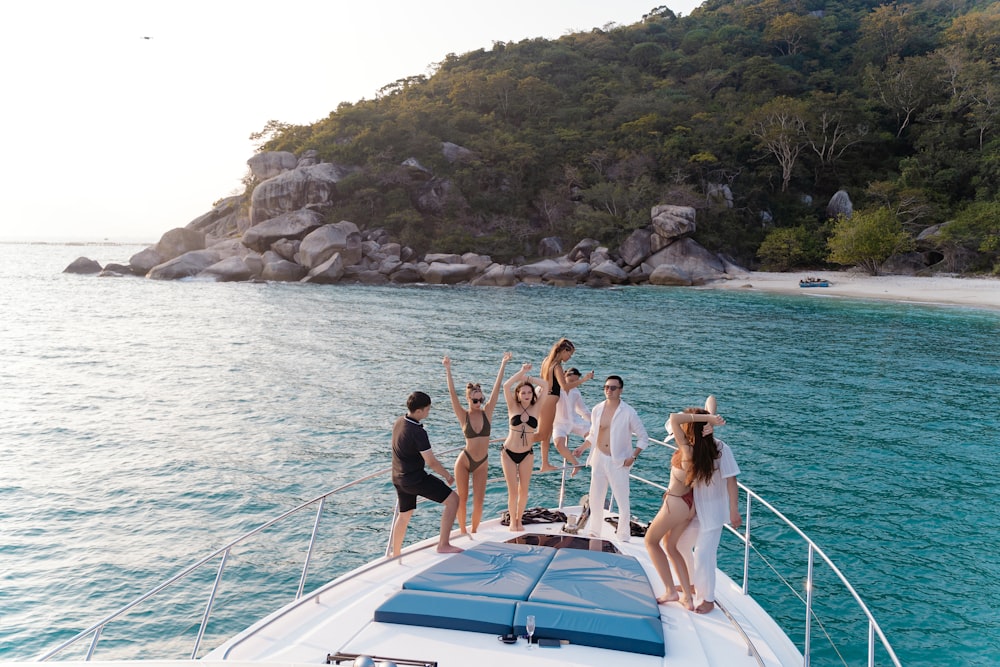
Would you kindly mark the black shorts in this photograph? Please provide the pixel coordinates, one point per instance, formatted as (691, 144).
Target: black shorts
(431, 488)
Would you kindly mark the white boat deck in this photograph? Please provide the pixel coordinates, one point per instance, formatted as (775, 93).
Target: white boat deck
(339, 618)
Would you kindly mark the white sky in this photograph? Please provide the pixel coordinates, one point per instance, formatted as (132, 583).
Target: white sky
(112, 136)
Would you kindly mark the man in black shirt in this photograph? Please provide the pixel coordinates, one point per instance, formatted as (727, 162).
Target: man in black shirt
(411, 451)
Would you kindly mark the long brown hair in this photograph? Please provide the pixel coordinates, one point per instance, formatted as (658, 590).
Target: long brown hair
(704, 449)
(550, 360)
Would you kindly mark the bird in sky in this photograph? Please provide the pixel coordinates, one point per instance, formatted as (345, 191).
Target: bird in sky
(144, 37)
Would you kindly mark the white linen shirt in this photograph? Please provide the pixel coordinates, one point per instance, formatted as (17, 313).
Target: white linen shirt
(570, 404)
(624, 424)
(711, 501)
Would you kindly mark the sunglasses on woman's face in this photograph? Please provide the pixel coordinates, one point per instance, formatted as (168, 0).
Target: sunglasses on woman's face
(477, 401)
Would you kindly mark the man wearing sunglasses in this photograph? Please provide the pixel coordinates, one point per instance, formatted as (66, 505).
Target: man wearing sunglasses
(613, 423)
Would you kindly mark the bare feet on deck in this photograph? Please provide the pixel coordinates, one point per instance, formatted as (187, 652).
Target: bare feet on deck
(686, 602)
(705, 607)
(449, 549)
(668, 597)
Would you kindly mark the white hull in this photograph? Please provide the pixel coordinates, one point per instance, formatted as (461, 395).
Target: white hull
(338, 618)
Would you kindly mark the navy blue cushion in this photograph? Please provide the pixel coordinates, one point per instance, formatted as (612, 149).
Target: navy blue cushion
(493, 569)
(593, 627)
(595, 579)
(444, 610)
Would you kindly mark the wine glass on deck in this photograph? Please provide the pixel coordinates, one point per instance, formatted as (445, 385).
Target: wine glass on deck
(529, 624)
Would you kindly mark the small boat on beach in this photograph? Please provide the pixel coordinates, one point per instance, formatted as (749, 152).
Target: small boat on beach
(559, 592)
(814, 282)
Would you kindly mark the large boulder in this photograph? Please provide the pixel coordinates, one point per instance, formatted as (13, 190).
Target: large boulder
(230, 269)
(840, 205)
(229, 218)
(294, 225)
(437, 196)
(342, 238)
(407, 272)
(583, 249)
(441, 273)
(455, 153)
(611, 271)
(498, 275)
(144, 260)
(281, 270)
(672, 222)
(307, 187)
(179, 241)
(685, 262)
(550, 246)
(83, 265)
(540, 269)
(272, 163)
(329, 272)
(189, 264)
(636, 247)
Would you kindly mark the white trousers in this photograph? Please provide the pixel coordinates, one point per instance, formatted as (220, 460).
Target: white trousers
(702, 561)
(604, 472)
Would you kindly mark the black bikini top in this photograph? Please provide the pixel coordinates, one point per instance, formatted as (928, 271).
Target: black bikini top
(517, 421)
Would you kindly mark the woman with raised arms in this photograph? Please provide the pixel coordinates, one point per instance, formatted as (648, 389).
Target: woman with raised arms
(692, 463)
(475, 423)
(518, 457)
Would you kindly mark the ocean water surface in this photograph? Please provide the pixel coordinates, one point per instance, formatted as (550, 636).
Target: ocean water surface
(147, 423)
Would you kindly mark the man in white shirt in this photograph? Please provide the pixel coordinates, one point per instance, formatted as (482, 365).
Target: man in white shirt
(715, 504)
(613, 422)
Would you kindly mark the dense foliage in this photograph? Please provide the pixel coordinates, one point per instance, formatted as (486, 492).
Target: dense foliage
(779, 102)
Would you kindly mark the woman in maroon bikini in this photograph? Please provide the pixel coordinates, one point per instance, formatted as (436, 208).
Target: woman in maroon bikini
(692, 462)
(472, 461)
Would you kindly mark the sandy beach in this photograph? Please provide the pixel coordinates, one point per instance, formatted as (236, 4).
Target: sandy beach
(969, 292)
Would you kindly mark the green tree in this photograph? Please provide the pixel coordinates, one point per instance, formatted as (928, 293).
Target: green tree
(867, 239)
(785, 248)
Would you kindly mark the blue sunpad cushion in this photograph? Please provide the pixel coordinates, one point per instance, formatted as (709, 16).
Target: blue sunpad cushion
(594, 579)
(444, 610)
(493, 569)
(593, 627)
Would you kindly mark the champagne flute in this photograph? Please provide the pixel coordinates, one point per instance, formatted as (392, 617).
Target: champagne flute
(529, 624)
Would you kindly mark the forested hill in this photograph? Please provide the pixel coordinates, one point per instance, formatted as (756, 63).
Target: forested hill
(783, 102)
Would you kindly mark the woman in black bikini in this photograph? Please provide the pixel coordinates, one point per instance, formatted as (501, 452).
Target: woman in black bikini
(518, 458)
(558, 381)
(692, 462)
(471, 461)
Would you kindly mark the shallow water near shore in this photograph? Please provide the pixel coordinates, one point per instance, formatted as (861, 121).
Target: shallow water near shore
(147, 423)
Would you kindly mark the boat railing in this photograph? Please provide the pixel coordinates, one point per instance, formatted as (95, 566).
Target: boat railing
(752, 503)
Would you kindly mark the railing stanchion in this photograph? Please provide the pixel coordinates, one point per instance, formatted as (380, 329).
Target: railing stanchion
(93, 643)
(208, 607)
(809, 608)
(746, 551)
(871, 643)
(312, 544)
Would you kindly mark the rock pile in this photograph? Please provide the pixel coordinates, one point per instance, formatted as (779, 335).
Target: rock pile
(282, 236)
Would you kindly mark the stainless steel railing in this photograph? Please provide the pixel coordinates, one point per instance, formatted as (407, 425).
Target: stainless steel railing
(812, 550)
(752, 502)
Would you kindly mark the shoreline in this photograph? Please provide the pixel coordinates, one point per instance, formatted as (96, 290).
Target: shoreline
(939, 290)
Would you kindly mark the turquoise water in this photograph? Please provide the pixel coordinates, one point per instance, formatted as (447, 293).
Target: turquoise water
(146, 423)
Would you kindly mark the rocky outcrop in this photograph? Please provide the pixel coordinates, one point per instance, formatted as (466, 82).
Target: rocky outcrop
(281, 234)
(302, 188)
